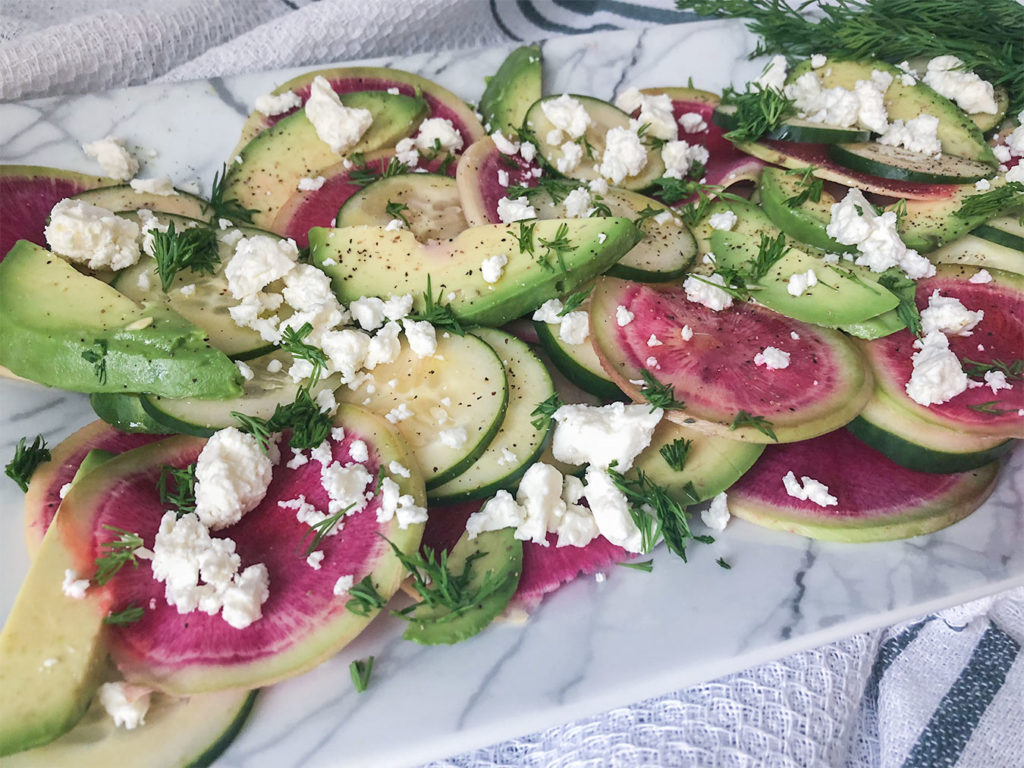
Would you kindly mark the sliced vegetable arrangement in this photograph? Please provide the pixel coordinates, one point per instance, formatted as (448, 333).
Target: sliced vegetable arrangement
(406, 346)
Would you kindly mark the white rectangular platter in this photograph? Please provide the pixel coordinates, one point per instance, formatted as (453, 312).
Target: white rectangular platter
(593, 645)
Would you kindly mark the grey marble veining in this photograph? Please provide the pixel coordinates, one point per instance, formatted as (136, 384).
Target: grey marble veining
(593, 645)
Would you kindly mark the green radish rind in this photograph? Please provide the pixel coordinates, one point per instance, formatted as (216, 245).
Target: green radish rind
(529, 384)
(844, 386)
(916, 444)
(794, 129)
(904, 165)
(502, 558)
(467, 372)
(191, 733)
(712, 463)
(604, 117)
(577, 362)
(433, 208)
(123, 198)
(316, 642)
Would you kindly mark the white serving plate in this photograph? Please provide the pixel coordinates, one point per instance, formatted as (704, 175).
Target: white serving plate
(593, 645)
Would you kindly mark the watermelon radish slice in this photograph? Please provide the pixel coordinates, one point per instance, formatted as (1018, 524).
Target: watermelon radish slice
(43, 496)
(545, 569)
(1001, 333)
(29, 193)
(793, 154)
(303, 622)
(714, 373)
(726, 164)
(442, 102)
(477, 177)
(878, 500)
(319, 208)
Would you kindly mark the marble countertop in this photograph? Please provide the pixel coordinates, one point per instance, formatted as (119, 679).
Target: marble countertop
(593, 645)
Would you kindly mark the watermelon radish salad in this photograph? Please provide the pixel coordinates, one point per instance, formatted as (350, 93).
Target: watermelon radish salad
(417, 358)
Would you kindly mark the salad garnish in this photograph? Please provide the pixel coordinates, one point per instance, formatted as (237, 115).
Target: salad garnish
(26, 459)
(228, 208)
(1014, 370)
(659, 395)
(994, 201)
(360, 671)
(182, 497)
(655, 513)
(905, 290)
(437, 313)
(321, 530)
(364, 598)
(97, 355)
(556, 246)
(362, 177)
(544, 411)
(129, 615)
(294, 341)
(760, 423)
(810, 187)
(575, 300)
(675, 453)
(644, 565)
(758, 110)
(396, 211)
(116, 554)
(193, 248)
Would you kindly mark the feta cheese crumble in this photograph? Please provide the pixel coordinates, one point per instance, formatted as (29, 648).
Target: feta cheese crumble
(717, 516)
(336, 125)
(343, 585)
(113, 157)
(601, 435)
(126, 704)
(493, 267)
(623, 316)
(160, 185)
(72, 586)
(438, 134)
(948, 315)
(624, 155)
(567, 114)
(655, 112)
(724, 220)
(574, 327)
(515, 210)
(706, 291)
(232, 476)
(808, 489)
(919, 134)
(773, 76)
(972, 94)
(937, 375)
(578, 204)
(981, 277)
(92, 236)
(692, 122)
(307, 184)
(800, 282)
(271, 104)
(772, 358)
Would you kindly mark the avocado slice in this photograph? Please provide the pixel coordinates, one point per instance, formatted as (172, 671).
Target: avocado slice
(274, 161)
(844, 293)
(52, 649)
(61, 328)
(372, 261)
(511, 90)
(497, 555)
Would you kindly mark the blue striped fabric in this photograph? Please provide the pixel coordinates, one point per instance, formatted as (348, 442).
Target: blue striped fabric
(533, 19)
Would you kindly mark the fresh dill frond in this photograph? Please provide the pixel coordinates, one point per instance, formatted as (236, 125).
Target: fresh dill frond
(721, 563)
(116, 554)
(364, 599)
(294, 341)
(974, 369)
(598, 207)
(671, 191)
(181, 498)
(675, 453)
(360, 672)
(362, 177)
(397, 211)
(810, 186)
(26, 460)
(254, 426)
(649, 212)
(97, 356)
(658, 395)
(644, 565)
(437, 313)
(555, 188)
(990, 407)
(223, 207)
(575, 300)
(992, 203)
(769, 252)
(309, 424)
(559, 245)
(129, 615)
(758, 111)
(760, 423)
(905, 290)
(544, 411)
(649, 500)
(321, 530)
(525, 237)
(193, 248)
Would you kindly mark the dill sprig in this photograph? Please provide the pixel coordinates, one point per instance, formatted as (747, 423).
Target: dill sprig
(226, 208)
(721, 563)
(397, 211)
(309, 425)
(554, 188)
(129, 615)
(360, 672)
(649, 212)
(574, 301)
(544, 411)
(294, 341)
(437, 313)
(992, 203)
(362, 177)
(26, 460)
(116, 554)
(525, 237)
(364, 599)
(97, 356)
(649, 500)
(758, 110)
(599, 208)
(644, 565)
(559, 245)
(182, 497)
(905, 290)
(440, 587)
(769, 252)
(760, 423)
(675, 453)
(320, 531)
(658, 395)
(990, 407)
(985, 34)
(974, 369)
(254, 426)
(193, 248)
(810, 186)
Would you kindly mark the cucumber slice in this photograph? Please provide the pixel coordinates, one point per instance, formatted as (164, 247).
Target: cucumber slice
(712, 463)
(904, 165)
(432, 205)
(794, 129)
(190, 732)
(577, 362)
(463, 386)
(917, 444)
(207, 306)
(124, 412)
(665, 253)
(604, 117)
(529, 383)
(123, 198)
(980, 252)
(261, 396)
(497, 556)
(1006, 231)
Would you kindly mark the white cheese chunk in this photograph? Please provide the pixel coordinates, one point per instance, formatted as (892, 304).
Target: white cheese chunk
(574, 328)
(566, 114)
(338, 126)
(232, 476)
(421, 336)
(257, 262)
(493, 267)
(601, 435)
(716, 517)
(705, 292)
(937, 375)
(92, 236)
(948, 315)
(919, 134)
(611, 511)
(160, 185)
(578, 204)
(515, 210)
(772, 358)
(624, 155)
(126, 704)
(113, 157)
(972, 94)
(438, 134)
(271, 104)
(72, 586)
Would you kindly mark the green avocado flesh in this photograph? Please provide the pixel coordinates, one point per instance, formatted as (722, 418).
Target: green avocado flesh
(274, 161)
(512, 89)
(371, 261)
(61, 328)
(52, 648)
(844, 293)
(497, 557)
